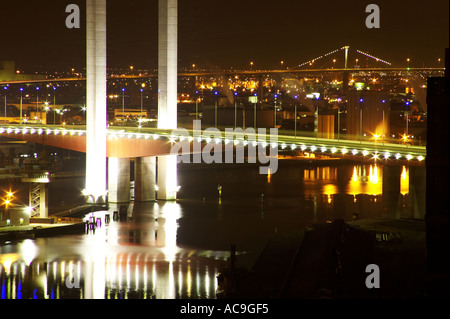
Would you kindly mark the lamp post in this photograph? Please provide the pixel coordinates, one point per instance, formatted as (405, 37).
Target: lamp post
(84, 113)
(196, 105)
(47, 108)
(384, 130)
(8, 199)
(407, 124)
(21, 92)
(142, 106)
(339, 123)
(215, 109)
(6, 88)
(360, 119)
(37, 101)
(295, 116)
(254, 115)
(54, 104)
(123, 106)
(275, 112)
(235, 109)
(54, 96)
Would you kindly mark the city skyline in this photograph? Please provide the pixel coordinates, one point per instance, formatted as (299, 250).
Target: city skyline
(215, 34)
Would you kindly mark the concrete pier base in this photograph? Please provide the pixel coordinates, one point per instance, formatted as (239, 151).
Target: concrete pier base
(167, 177)
(145, 179)
(391, 191)
(417, 191)
(118, 180)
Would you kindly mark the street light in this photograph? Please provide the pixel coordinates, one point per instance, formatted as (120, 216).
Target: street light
(405, 138)
(37, 101)
(6, 88)
(275, 112)
(21, 92)
(215, 109)
(7, 201)
(123, 106)
(84, 112)
(235, 109)
(360, 119)
(295, 116)
(196, 105)
(46, 108)
(54, 98)
(142, 105)
(254, 117)
(339, 123)
(407, 120)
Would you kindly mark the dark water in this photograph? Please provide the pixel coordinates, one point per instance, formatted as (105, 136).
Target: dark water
(172, 250)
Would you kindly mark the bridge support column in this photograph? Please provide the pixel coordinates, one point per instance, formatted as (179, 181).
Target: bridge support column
(167, 64)
(417, 191)
(118, 180)
(95, 101)
(167, 93)
(145, 179)
(167, 177)
(391, 191)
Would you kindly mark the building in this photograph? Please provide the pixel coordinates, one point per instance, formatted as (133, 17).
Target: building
(368, 113)
(437, 185)
(129, 114)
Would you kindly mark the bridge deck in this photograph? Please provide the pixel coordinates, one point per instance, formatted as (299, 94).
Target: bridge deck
(128, 142)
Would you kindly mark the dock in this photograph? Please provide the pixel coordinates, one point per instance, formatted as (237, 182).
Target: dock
(12, 233)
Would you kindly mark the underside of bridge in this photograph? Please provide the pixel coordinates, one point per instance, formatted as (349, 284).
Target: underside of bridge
(119, 147)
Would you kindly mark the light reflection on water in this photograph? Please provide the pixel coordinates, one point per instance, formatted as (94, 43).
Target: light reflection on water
(119, 260)
(172, 250)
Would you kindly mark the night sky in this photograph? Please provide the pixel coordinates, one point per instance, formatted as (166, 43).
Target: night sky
(231, 33)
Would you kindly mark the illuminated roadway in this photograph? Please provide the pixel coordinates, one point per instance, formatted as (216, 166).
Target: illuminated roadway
(134, 142)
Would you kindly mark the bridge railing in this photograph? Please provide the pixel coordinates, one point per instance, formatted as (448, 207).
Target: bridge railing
(286, 134)
(285, 138)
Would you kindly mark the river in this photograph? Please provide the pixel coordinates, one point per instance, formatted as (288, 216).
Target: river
(168, 250)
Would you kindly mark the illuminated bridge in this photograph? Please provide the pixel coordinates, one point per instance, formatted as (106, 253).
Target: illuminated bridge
(130, 142)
